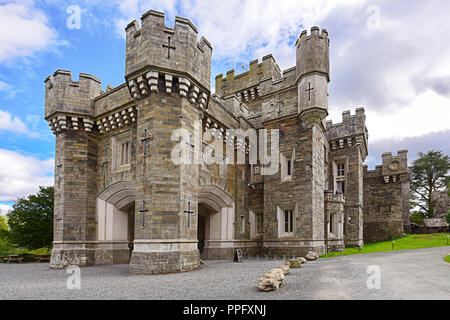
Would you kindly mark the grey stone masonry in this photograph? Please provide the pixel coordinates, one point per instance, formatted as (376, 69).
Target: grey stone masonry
(121, 196)
(386, 198)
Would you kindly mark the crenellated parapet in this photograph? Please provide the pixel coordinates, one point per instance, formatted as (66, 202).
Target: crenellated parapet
(246, 85)
(350, 132)
(159, 58)
(392, 169)
(394, 166)
(69, 103)
(313, 75)
(313, 53)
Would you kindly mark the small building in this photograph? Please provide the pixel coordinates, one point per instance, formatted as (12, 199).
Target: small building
(436, 225)
(417, 228)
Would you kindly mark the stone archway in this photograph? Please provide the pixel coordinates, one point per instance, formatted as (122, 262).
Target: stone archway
(216, 223)
(115, 216)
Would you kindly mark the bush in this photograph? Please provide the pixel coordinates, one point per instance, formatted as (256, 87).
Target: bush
(417, 217)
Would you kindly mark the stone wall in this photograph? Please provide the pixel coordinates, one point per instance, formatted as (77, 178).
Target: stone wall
(386, 197)
(441, 203)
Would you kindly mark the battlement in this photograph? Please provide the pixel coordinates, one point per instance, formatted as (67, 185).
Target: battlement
(351, 125)
(256, 73)
(64, 95)
(153, 46)
(440, 196)
(392, 168)
(313, 54)
(393, 165)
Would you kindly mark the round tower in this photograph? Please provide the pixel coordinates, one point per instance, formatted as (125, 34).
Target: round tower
(313, 75)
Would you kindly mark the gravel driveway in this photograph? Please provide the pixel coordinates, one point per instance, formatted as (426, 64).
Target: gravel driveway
(412, 274)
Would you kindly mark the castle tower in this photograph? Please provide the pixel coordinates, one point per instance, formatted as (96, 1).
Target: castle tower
(386, 198)
(168, 76)
(349, 147)
(69, 112)
(313, 75)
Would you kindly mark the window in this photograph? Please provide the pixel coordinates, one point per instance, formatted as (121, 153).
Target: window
(121, 150)
(287, 167)
(242, 224)
(124, 153)
(341, 187)
(341, 170)
(259, 223)
(332, 223)
(288, 221)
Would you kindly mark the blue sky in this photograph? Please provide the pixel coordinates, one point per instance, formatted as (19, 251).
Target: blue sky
(382, 59)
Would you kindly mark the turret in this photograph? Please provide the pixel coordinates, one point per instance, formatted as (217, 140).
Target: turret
(171, 58)
(68, 103)
(313, 75)
(393, 166)
(69, 110)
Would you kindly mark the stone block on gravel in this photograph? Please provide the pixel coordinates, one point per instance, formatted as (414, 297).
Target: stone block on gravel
(312, 256)
(286, 269)
(272, 280)
(293, 263)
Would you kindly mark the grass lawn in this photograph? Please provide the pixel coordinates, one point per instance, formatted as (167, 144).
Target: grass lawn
(409, 241)
(447, 259)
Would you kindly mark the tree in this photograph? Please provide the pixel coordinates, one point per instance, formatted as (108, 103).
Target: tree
(448, 217)
(3, 224)
(417, 217)
(31, 220)
(429, 173)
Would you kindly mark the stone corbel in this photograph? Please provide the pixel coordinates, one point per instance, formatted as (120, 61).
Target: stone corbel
(194, 94)
(152, 80)
(88, 124)
(184, 86)
(142, 85)
(168, 79)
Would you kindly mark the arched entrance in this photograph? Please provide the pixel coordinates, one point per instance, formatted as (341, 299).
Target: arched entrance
(115, 214)
(215, 223)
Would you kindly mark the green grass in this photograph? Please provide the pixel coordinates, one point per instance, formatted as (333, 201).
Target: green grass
(409, 241)
(447, 259)
(6, 249)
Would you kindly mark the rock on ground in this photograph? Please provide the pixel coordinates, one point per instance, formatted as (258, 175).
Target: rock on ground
(293, 263)
(312, 256)
(272, 280)
(285, 268)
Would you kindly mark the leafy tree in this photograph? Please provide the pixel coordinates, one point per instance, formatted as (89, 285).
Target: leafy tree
(417, 217)
(429, 173)
(31, 220)
(3, 224)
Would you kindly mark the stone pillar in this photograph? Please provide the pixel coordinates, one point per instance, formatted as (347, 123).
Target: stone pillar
(163, 241)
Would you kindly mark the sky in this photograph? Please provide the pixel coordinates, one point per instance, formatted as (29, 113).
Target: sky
(390, 57)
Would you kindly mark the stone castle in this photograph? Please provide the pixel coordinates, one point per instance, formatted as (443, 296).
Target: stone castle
(119, 198)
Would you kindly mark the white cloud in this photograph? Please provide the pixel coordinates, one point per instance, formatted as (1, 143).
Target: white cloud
(13, 124)
(399, 72)
(21, 175)
(3, 86)
(4, 208)
(24, 30)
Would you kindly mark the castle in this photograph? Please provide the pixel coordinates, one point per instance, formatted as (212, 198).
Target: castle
(119, 198)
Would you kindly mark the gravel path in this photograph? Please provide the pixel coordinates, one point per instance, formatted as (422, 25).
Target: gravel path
(413, 274)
